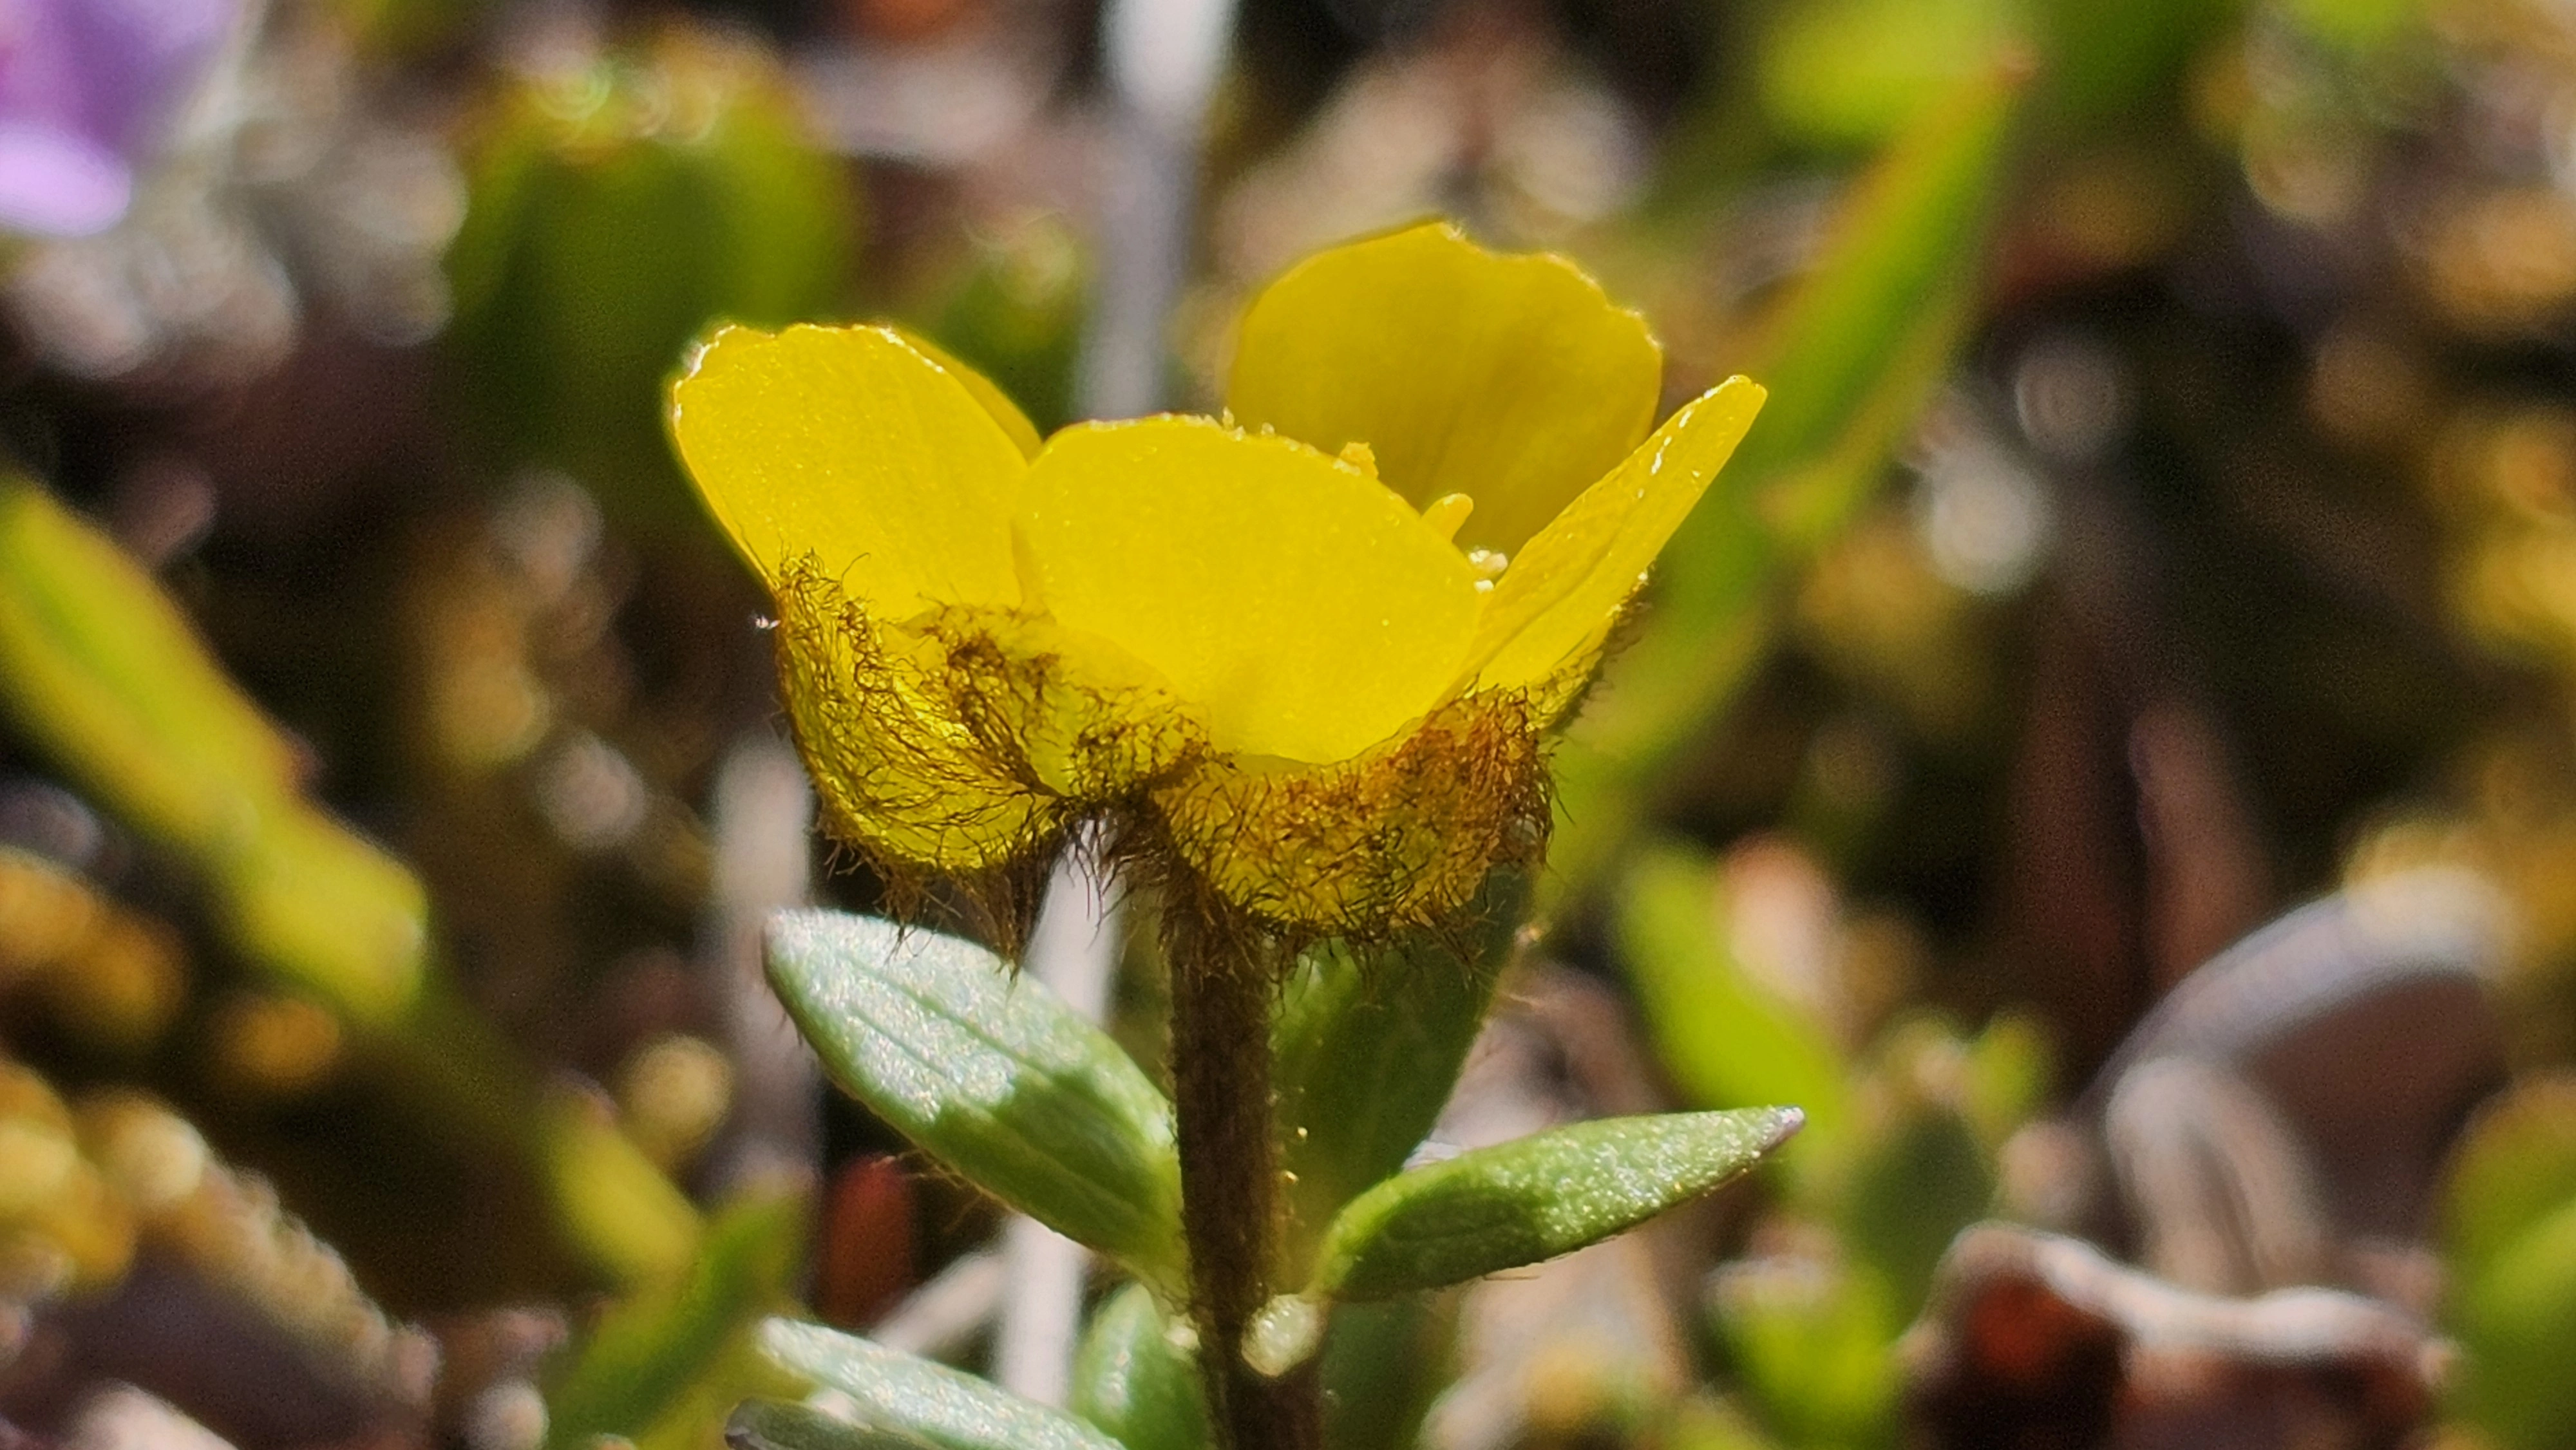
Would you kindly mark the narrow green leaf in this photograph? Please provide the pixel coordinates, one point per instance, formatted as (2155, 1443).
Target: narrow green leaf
(1812, 1343)
(2110, 67)
(104, 673)
(1916, 1182)
(2515, 1320)
(1727, 1041)
(911, 1396)
(1544, 1195)
(1850, 359)
(1845, 71)
(628, 1218)
(1383, 1366)
(773, 1425)
(2515, 1166)
(1135, 1381)
(697, 1419)
(2010, 1065)
(1365, 1051)
(989, 1073)
(2509, 1250)
(651, 1349)
(323, 907)
(1913, 230)
(1706, 1421)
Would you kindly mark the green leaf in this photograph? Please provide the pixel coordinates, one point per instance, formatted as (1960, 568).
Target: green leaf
(2111, 67)
(1727, 1041)
(1366, 1050)
(1134, 1381)
(1703, 1421)
(1845, 351)
(2515, 1166)
(1917, 1182)
(1541, 1196)
(651, 1349)
(322, 907)
(2515, 1321)
(629, 1219)
(599, 239)
(2010, 1067)
(105, 674)
(772, 1425)
(2359, 27)
(989, 1073)
(1383, 1366)
(927, 1402)
(1812, 1343)
(1857, 70)
(104, 671)
(2509, 1241)
(697, 1419)
(1852, 357)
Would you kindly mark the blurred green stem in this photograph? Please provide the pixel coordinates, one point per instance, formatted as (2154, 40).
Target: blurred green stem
(106, 675)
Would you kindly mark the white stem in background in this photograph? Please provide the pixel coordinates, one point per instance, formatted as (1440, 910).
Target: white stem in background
(941, 1318)
(1164, 56)
(763, 815)
(1163, 59)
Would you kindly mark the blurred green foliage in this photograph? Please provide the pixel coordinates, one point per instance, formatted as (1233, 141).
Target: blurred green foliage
(617, 208)
(2510, 1238)
(1851, 357)
(1903, 1149)
(1131, 1381)
(1858, 71)
(2323, 245)
(103, 669)
(639, 1367)
(1015, 313)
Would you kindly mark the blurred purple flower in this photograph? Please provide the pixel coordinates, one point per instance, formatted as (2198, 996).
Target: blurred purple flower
(85, 89)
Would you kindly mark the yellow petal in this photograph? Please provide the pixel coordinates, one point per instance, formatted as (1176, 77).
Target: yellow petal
(1303, 607)
(1510, 379)
(848, 444)
(996, 402)
(1551, 612)
(1081, 718)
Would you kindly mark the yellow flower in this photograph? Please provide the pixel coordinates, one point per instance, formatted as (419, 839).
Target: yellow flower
(1305, 655)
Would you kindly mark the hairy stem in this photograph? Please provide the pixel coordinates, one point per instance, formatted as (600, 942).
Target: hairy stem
(1221, 992)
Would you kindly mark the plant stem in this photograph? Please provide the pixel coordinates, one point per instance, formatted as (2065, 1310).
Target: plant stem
(1221, 991)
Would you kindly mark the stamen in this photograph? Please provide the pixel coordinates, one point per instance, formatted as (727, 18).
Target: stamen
(1360, 456)
(1445, 513)
(1489, 564)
